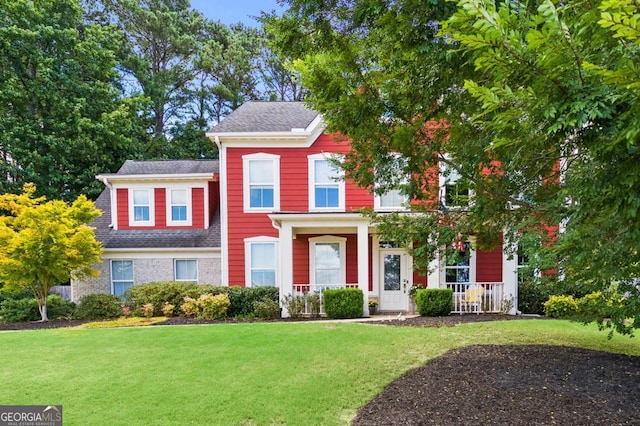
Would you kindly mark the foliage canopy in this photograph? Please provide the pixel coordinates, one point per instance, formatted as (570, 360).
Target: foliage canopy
(534, 104)
(45, 243)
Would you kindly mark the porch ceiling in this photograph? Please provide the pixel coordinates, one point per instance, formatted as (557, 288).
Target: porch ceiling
(321, 222)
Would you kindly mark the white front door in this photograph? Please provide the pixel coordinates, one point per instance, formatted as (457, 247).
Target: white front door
(394, 280)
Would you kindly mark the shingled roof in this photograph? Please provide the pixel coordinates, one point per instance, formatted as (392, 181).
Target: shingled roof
(156, 238)
(160, 167)
(153, 238)
(256, 116)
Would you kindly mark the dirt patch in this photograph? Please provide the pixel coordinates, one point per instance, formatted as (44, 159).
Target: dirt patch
(512, 385)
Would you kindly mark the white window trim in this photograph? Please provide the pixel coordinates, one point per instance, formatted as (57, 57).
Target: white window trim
(246, 159)
(443, 179)
(169, 203)
(378, 207)
(132, 216)
(175, 270)
(133, 272)
(312, 185)
(472, 266)
(343, 256)
(247, 257)
(404, 206)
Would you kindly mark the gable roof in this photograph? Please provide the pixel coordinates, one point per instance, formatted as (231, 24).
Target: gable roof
(257, 116)
(160, 167)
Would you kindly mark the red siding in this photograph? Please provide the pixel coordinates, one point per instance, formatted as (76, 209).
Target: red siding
(160, 195)
(122, 196)
(294, 197)
(160, 209)
(214, 198)
(489, 265)
(419, 279)
(197, 205)
(301, 259)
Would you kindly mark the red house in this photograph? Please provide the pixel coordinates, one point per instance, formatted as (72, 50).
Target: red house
(273, 211)
(288, 220)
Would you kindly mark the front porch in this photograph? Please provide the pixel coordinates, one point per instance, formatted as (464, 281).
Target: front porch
(477, 298)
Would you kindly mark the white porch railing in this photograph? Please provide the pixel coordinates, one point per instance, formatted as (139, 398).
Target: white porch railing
(477, 297)
(310, 289)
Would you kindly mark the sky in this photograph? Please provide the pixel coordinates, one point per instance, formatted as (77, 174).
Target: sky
(234, 11)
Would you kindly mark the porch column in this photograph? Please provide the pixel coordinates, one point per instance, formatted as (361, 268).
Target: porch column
(433, 279)
(363, 264)
(286, 263)
(510, 279)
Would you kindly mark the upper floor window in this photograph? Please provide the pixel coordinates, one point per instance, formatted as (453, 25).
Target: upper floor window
(454, 189)
(178, 206)
(391, 178)
(141, 210)
(186, 270)
(261, 182)
(326, 186)
(260, 261)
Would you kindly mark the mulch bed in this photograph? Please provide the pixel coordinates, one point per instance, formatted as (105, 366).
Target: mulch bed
(493, 385)
(512, 385)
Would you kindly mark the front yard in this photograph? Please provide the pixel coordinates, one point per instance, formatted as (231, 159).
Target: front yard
(262, 373)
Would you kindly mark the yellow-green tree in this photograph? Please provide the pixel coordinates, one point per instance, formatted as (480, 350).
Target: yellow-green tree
(44, 242)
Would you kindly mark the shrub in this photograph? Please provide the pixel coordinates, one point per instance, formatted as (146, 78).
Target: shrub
(214, 307)
(168, 309)
(243, 299)
(531, 297)
(207, 306)
(190, 307)
(314, 301)
(563, 307)
(267, 309)
(26, 309)
(343, 303)
(147, 310)
(58, 308)
(18, 310)
(295, 305)
(434, 302)
(171, 292)
(98, 306)
(14, 294)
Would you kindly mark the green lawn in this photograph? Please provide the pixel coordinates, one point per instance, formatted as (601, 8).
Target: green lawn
(263, 373)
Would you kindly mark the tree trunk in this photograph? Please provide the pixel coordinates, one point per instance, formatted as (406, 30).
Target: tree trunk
(42, 307)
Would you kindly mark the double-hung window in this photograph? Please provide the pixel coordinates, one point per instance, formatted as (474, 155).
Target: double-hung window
(391, 179)
(141, 210)
(179, 206)
(261, 182)
(186, 270)
(121, 276)
(327, 258)
(458, 263)
(326, 185)
(454, 189)
(260, 261)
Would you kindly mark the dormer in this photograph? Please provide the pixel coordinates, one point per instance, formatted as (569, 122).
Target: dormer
(178, 194)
